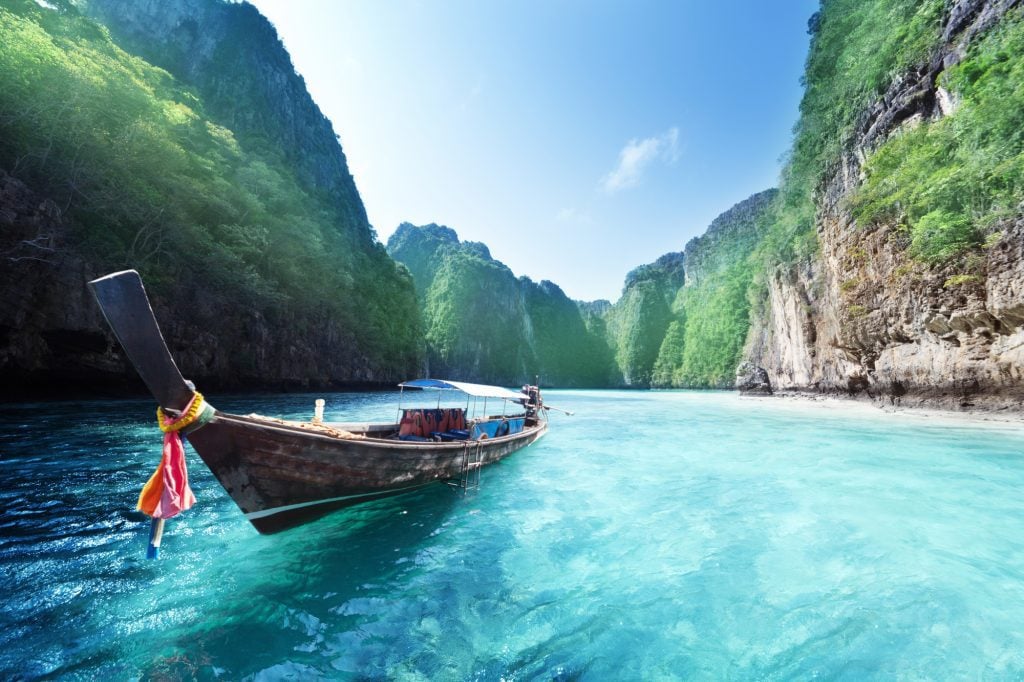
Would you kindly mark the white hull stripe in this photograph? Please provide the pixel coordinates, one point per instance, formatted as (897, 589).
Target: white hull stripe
(288, 507)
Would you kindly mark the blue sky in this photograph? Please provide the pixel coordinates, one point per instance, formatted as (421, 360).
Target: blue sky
(577, 139)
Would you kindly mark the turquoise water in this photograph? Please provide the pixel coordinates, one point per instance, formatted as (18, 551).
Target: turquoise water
(651, 536)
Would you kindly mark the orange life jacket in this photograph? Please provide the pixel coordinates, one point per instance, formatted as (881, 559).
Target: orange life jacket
(456, 419)
(444, 419)
(411, 424)
(430, 422)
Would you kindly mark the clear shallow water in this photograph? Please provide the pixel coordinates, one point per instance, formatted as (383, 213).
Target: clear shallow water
(653, 535)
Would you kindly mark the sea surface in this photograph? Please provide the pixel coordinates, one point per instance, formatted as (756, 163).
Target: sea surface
(653, 535)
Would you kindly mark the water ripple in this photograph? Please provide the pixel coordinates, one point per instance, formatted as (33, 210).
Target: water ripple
(678, 535)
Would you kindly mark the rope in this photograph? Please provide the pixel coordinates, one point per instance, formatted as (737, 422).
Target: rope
(309, 426)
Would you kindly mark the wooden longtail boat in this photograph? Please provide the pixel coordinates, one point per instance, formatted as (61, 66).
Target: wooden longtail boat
(282, 474)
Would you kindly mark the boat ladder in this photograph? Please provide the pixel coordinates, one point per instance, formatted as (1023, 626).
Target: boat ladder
(472, 462)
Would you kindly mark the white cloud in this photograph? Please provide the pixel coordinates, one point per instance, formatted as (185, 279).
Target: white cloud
(637, 155)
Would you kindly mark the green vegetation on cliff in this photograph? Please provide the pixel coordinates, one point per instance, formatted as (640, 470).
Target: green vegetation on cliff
(474, 315)
(857, 48)
(150, 180)
(484, 324)
(704, 342)
(945, 182)
(230, 55)
(949, 182)
(639, 319)
(680, 322)
(566, 343)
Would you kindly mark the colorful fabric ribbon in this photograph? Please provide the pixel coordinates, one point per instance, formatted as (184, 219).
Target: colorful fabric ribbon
(167, 492)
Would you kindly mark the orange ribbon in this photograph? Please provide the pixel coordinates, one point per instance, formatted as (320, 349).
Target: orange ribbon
(167, 492)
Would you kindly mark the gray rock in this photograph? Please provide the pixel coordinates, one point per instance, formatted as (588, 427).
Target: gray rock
(752, 380)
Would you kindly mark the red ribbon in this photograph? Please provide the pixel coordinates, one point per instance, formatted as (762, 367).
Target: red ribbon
(167, 492)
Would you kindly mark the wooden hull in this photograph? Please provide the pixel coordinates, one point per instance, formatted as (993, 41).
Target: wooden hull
(282, 476)
(279, 474)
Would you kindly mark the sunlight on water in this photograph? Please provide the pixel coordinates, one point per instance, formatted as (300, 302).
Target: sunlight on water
(666, 534)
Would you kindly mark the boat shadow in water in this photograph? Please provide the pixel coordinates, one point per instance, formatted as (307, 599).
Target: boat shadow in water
(370, 533)
(351, 547)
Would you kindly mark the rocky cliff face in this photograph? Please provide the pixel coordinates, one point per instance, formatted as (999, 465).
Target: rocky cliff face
(53, 339)
(728, 240)
(232, 55)
(261, 267)
(50, 329)
(638, 321)
(484, 324)
(863, 317)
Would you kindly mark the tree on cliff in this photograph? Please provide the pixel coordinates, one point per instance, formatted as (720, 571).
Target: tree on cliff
(227, 233)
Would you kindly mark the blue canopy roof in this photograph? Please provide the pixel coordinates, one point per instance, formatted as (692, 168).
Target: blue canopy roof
(476, 390)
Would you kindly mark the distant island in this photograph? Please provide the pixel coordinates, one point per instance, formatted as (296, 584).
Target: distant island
(177, 139)
(680, 322)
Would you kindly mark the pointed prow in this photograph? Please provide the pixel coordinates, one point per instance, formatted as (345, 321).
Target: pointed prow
(124, 303)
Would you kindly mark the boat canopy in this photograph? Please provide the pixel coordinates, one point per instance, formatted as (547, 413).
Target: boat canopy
(475, 390)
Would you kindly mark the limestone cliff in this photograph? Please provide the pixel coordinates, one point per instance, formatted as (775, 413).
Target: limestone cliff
(681, 321)
(50, 330)
(864, 316)
(710, 313)
(217, 178)
(232, 55)
(482, 323)
(729, 239)
(639, 319)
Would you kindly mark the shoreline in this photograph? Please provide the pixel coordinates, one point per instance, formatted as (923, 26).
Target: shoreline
(987, 409)
(975, 413)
